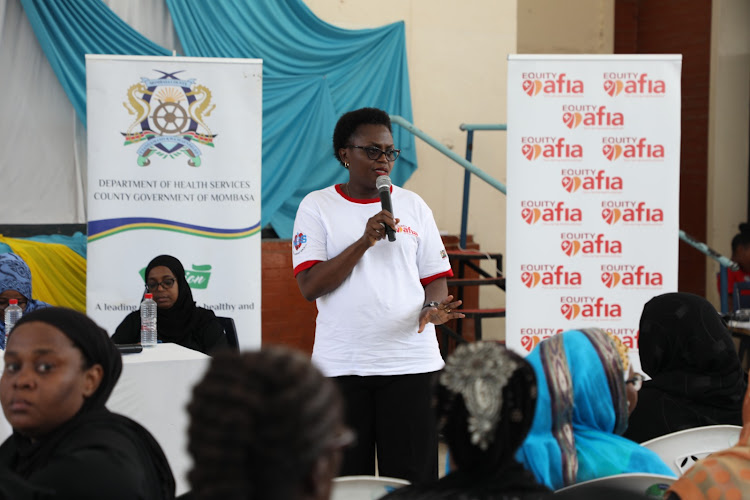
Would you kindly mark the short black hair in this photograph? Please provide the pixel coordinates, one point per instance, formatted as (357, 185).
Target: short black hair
(347, 126)
(742, 238)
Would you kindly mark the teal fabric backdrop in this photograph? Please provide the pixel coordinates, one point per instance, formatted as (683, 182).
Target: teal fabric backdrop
(67, 30)
(344, 69)
(313, 73)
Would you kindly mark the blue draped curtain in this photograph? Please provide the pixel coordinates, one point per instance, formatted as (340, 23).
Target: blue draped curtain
(67, 30)
(313, 72)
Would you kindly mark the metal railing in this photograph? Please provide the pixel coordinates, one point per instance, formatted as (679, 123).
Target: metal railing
(724, 262)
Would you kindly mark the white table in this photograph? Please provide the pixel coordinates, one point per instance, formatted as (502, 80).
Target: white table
(154, 389)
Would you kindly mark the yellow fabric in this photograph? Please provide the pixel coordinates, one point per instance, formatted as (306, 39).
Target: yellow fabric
(58, 274)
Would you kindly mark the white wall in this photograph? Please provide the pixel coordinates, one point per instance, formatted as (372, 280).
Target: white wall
(729, 114)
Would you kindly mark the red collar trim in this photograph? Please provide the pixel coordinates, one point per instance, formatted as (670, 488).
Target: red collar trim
(340, 190)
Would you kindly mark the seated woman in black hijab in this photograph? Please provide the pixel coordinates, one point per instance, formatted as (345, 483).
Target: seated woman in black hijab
(60, 368)
(486, 398)
(696, 376)
(178, 319)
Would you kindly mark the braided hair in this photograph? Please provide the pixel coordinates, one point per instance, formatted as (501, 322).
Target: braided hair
(258, 423)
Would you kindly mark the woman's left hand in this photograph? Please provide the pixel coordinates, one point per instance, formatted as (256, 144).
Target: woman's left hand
(444, 311)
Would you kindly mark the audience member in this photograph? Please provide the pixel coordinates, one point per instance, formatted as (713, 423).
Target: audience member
(696, 377)
(580, 413)
(740, 255)
(485, 405)
(60, 368)
(15, 283)
(633, 380)
(265, 425)
(722, 475)
(178, 320)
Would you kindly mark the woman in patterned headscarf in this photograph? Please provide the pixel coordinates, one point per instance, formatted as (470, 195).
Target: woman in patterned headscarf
(581, 412)
(15, 283)
(696, 376)
(485, 406)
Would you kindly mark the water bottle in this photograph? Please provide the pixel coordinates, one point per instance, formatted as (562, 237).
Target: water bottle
(148, 321)
(12, 314)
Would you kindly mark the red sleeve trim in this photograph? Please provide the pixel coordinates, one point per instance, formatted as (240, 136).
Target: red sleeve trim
(429, 279)
(305, 265)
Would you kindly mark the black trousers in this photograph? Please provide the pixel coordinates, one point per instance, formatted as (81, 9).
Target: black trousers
(394, 415)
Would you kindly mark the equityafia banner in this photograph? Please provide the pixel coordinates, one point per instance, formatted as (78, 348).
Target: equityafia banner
(593, 192)
(174, 167)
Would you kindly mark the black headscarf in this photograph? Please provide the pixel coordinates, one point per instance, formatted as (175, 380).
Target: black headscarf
(696, 375)
(93, 342)
(486, 464)
(175, 323)
(184, 319)
(26, 457)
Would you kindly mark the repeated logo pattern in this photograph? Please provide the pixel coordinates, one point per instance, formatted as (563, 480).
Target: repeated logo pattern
(592, 129)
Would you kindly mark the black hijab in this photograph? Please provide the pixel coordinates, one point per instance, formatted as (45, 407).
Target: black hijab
(476, 377)
(184, 319)
(25, 457)
(696, 375)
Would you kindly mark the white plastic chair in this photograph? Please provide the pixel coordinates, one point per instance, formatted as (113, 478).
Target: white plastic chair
(681, 449)
(645, 485)
(364, 487)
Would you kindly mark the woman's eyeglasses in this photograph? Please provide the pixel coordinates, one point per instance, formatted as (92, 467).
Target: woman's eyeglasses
(637, 381)
(166, 284)
(374, 153)
(21, 303)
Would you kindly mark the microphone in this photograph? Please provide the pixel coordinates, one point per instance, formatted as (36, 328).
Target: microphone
(383, 183)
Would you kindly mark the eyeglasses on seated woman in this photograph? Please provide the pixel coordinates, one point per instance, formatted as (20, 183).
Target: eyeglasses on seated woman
(178, 318)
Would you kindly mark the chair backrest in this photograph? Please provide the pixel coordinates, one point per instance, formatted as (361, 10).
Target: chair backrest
(681, 449)
(620, 486)
(230, 331)
(741, 300)
(364, 487)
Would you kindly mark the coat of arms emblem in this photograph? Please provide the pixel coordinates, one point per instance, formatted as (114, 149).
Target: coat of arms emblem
(170, 117)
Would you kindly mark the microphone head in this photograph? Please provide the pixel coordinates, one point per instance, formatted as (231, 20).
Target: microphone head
(383, 183)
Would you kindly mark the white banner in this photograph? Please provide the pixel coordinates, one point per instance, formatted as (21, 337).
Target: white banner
(174, 167)
(593, 192)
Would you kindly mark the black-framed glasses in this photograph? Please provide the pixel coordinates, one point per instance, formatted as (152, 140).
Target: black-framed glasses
(166, 284)
(5, 302)
(637, 381)
(374, 153)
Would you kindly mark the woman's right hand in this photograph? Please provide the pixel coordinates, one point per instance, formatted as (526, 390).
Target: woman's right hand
(375, 227)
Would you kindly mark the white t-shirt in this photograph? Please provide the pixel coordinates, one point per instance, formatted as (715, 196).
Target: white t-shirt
(368, 325)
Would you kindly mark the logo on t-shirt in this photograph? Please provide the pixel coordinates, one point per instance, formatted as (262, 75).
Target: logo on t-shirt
(443, 255)
(299, 241)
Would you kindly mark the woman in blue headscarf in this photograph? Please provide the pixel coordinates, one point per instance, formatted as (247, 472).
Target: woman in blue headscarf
(15, 283)
(581, 412)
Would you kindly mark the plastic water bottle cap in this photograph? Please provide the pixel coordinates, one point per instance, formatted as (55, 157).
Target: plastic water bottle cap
(149, 296)
(13, 301)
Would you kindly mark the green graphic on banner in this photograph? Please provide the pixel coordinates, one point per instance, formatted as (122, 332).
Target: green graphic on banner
(197, 277)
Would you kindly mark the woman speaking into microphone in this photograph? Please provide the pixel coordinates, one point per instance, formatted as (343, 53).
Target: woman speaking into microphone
(378, 300)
